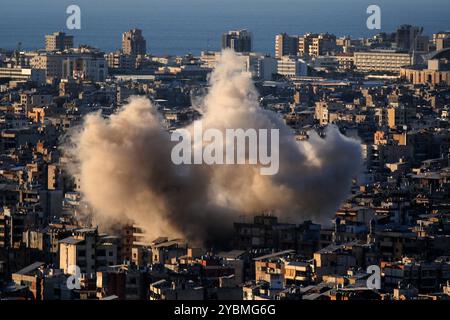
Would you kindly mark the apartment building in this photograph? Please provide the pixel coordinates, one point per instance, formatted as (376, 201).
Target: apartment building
(134, 43)
(382, 61)
(436, 71)
(84, 67)
(313, 45)
(23, 74)
(30, 100)
(42, 282)
(261, 66)
(425, 276)
(286, 45)
(51, 63)
(238, 40)
(292, 67)
(298, 273)
(270, 268)
(334, 259)
(346, 61)
(87, 250)
(58, 41)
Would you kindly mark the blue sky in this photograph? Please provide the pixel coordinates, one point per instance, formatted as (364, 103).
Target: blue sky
(173, 25)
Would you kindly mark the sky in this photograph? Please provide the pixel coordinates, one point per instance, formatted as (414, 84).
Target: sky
(176, 26)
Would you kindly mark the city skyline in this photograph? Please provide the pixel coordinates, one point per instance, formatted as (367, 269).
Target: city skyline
(199, 26)
(251, 182)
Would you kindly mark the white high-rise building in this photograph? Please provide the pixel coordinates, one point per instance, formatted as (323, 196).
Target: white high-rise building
(292, 67)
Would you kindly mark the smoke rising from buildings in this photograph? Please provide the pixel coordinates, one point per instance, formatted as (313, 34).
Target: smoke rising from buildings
(126, 172)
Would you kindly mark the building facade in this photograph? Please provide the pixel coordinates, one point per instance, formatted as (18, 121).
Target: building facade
(382, 61)
(58, 41)
(292, 67)
(238, 40)
(285, 45)
(134, 43)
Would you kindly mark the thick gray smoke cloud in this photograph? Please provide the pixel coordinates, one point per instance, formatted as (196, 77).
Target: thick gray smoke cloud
(126, 171)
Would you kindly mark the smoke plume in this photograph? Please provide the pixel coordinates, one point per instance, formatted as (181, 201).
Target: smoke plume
(126, 172)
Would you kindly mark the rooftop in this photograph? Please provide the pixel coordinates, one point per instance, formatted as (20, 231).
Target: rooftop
(274, 255)
(71, 240)
(31, 268)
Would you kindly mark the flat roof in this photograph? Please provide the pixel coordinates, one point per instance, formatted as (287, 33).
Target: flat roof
(233, 254)
(274, 255)
(30, 268)
(71, 240)
(113, 297)
(168, 243)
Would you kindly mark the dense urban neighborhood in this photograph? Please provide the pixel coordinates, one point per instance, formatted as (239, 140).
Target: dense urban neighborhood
(388, 240)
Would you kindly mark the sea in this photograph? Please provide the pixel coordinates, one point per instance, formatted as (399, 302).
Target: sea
(175, 27)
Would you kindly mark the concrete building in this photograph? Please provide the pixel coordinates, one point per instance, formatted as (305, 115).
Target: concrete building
(238, 40)
(298, 273)
(313, 45)
(323, 110)
(304, 42)
(164, 250)
(441, 40)
(437, 70)
(30, 100)
(117, 61)
(123, 281)
(292, 67)
(28, 74)
(133, 43)
(87, 250)
(410, 38)
(390, 61)
(262, 67)
(166, 290)
(11, 227)
(76, 251)
(270, 268)
(333, 260)
(58, 41)
(209, 59)
(43, 283)
(425, 276)
(85, 67)
(400, 116)
(285, 45)
(267, 233)
(346, 61)
(443, 43)
(325, 63)
(50, 62)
